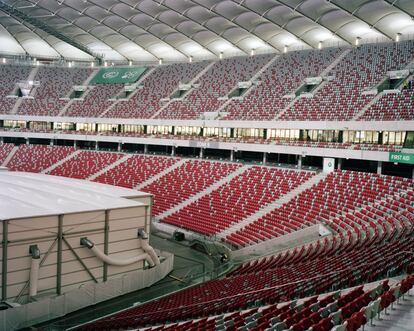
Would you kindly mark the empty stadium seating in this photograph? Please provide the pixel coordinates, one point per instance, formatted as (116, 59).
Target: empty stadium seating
(135, 170)
(340, 193)
(237, 199)
(183, 182)
(280, 79)
(35, 158)
(55, 83)
(85, 164)
(326, 265)
(391, 107)
(10, 75)
(5, 150)
(217, 82)
(159, 84)
(95, 102)
(362, 69)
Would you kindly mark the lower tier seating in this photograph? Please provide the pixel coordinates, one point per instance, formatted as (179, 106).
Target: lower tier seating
(35, 158)
(185, 181)
(85, 164)
(234, 201)
(340, 262)
(135, 170)
(5, 150)
(340, 193)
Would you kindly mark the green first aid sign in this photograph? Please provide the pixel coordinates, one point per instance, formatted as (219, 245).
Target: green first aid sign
(402, 158)
(118, 75)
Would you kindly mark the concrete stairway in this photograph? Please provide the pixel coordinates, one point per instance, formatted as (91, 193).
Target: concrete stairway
(193, 81)
(159, 175)
(53, 166)
(284, 110)
(109, 167)
(206, 191)
(9, 157)
(275, 204)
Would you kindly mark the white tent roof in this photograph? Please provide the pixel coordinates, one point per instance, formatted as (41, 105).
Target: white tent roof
(176, 29)
(25, 195)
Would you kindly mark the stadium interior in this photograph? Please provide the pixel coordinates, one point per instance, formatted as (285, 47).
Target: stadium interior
(207, 165)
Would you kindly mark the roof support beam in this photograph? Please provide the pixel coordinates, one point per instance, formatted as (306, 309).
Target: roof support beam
(43, 26)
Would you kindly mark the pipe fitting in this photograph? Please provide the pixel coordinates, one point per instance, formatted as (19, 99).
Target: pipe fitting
(84, 241)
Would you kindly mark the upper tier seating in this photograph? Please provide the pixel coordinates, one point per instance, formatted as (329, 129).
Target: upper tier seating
(95, 102)
(391, 107)
(159, 84)
(55, 83)
(135, 170)
(183, 182)
(341, 192)
(35, 158)
(217, 82)
(10, 75)
(237, 199)
(337, 262)
(85, 164)
(362, 69)
(5, 150)
(283, 77)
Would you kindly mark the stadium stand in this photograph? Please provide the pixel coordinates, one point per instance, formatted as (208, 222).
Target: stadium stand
(161, 83)
(391, 107)
(5, 150)
(10, 75)
(183, 182)
(237, 199)
(85, 164)
(217, 82)
(55, 83)
(279, 80)
(361, 70)
(35, 158)
(337, 263)
(332, 201)
(135, 170)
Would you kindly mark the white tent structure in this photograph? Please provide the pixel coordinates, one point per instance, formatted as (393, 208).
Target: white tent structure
(175, 30)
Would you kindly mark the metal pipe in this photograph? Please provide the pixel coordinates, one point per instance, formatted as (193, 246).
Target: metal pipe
(34, 270)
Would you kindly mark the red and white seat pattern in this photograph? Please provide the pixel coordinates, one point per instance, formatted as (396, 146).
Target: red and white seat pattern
(283, 77)
(159, 84)
(10, 75)
(5, 150)
(183, 182)
(35, 158)
(55, 83)
(391, 107)
(85, 164)
(217, 82)
(341, 192)
(237, 199)
(268, 284)
(95, 102)
(341, 99)
(135, 170)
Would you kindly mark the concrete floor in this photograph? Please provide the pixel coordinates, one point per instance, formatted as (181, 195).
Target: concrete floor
(187, 262)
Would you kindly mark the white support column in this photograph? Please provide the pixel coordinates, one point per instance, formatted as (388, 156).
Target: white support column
(96, 145)
(339, 164)
(74, 144)
(232, 155)
(201, 153)
(173, 151)
(379, 168)
(300, 162)
(119, 147)
(145, 149)
(27, 141)
(264, 157)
